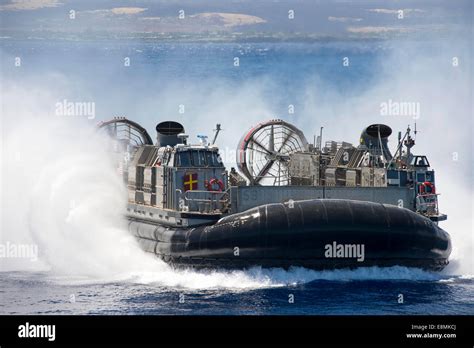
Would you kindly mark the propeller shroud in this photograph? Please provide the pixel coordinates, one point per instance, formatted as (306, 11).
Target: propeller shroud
(264, 152)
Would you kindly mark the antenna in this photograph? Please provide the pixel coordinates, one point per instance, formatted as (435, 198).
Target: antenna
(320, 138)
(384, 160)
(203, 139)
(409, 142)
(217, 130)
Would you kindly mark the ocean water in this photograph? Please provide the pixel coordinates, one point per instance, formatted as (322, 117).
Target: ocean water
(64, 200)
(297, 292)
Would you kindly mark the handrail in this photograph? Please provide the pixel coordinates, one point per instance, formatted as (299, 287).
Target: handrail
(430, 206)
(216, 199)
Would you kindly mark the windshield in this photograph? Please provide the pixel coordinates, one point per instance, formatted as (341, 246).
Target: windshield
(420, 161)
(197, 158)
(183, 159)
(212, 159)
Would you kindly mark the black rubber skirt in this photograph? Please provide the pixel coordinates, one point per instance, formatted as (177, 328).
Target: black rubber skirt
(317, 234)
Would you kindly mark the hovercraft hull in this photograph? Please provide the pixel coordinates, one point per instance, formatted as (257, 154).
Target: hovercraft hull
(316, 234)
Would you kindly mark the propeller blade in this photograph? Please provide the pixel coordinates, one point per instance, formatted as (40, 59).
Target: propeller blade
(261, 146)
(272, 139)
(285, 141)
(264, 171)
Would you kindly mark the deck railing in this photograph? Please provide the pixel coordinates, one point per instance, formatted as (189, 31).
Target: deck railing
(427, 204)
(201, 201)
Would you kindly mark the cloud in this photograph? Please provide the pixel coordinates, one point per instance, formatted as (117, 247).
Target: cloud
(343, 19)
(227, 19)
(19, 5)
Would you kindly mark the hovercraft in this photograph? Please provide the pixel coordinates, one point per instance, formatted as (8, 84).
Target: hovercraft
(292, 204)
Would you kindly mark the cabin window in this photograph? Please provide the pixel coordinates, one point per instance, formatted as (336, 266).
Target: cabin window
(212, 160)
(198, 158)
(183, 159)
(420, 161)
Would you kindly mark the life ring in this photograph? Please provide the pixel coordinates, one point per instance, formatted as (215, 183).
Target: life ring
(211, 185)
(427, 187)
(431, 187)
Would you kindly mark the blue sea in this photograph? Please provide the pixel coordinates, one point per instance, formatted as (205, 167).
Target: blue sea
(368, 291)
(237, 85)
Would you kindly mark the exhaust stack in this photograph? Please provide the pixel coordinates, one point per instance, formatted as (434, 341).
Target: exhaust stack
(375, 138)
(167, 133)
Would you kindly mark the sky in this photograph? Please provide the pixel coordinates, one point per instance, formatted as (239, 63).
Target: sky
(332, 18)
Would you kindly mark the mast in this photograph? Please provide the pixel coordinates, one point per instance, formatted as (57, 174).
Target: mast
(217, 130)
